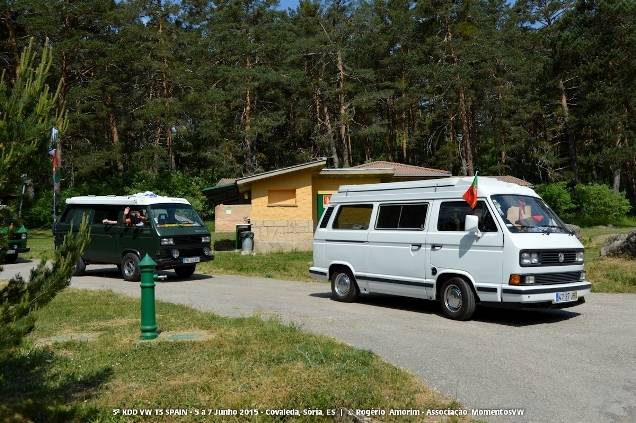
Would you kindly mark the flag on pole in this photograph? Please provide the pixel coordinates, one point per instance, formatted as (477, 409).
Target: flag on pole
(471, 193)
(56, 158)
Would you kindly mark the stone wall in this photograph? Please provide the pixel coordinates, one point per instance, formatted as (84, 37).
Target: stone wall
(226, 217)
(282, 235)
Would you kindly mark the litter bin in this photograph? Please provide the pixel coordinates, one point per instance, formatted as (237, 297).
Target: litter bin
(247, 242)
(240, 228)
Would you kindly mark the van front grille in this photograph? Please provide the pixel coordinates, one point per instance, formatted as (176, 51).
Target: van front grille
(551, 257)
(556, 278)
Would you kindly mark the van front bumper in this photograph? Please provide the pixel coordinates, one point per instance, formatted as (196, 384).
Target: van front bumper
(543, 293)
(171, 263)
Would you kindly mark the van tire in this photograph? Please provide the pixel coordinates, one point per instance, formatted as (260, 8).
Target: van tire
(185, 271)
(457, 299)
(130, 267)
(344, 287)
(11, 258)
(80, 267)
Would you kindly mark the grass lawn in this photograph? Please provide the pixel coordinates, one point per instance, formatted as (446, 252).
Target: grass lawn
(245, 363)
(608, 274)
(40, 242)
(290, 265)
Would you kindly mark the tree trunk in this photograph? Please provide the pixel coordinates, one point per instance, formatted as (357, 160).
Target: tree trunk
(568, 133)
(114, 134)
(346, 149)
(331, 140)
(467, 153)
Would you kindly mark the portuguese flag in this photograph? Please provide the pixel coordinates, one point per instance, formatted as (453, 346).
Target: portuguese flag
(471, 194)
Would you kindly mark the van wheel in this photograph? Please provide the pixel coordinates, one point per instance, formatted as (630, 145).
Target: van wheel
(79, 267)
(130, 267)
(185, 271)
(343, 286)
(457, 299)
(11, 258)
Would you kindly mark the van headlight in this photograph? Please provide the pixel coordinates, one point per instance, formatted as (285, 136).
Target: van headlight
(579, 256)
(174, 253)
(207, 251)
(205, 239)
(528, 258)
(24, 236)
(528, 280)
(167, 241)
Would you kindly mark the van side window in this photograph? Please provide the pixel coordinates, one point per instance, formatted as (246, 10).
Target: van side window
(453, 213)
(402, 216)
(325, 217)
(105, 213)
(356, 216)
(73, 216)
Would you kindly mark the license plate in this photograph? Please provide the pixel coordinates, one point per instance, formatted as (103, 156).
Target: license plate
(10, 251)
(566, 297)
(191, 259)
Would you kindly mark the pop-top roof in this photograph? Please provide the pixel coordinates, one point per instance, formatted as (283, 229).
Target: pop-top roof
(139, 199)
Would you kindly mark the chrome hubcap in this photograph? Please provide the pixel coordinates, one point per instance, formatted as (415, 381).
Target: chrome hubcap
(342, 285)
(453, 298)
(129, 268)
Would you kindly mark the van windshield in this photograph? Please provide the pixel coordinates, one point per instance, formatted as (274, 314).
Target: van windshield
(165, 215)
(526, 214)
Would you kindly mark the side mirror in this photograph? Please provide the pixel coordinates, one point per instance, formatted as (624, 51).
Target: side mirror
(471, 224)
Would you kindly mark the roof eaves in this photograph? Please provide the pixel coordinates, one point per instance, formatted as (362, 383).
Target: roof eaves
(282, 171)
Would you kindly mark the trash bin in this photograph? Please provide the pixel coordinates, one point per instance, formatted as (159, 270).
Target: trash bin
(247, 242)
(241, 227)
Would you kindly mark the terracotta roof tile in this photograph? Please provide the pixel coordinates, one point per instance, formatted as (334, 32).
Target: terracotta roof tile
(512, 180)
(405, 170)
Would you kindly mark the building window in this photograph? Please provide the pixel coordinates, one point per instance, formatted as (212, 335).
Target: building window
(281, 198)
(353, 217)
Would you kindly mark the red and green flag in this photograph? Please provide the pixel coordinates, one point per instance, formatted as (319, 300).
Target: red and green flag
(56, 159)
(471, 194)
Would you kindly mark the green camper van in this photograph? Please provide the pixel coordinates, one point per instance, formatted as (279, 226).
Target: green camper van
(17, 240)
(125, 228)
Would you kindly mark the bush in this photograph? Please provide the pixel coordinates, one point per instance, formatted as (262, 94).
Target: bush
(598, 204)
(558, 197)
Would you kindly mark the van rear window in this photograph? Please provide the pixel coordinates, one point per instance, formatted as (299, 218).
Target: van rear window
(402, 216)
(325, 217)
(356, 217)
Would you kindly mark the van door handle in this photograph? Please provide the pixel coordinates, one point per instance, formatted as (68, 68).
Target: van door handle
(416, 247)
(436, 247)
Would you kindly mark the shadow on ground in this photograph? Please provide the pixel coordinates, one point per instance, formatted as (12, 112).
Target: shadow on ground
(32, 391)
(487, 314)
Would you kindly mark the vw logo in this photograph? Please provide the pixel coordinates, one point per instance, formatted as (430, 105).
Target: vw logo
(561, 257)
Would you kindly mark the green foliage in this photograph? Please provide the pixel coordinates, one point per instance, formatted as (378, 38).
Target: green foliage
(542, 90)
(18, 299)
(28, 110)
(172, 184)
(558, 197)
(598, 204)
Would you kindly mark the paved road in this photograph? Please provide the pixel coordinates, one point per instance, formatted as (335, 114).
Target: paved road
(576, 365)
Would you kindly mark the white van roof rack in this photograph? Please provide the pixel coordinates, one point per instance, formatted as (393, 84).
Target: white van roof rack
(140, 199)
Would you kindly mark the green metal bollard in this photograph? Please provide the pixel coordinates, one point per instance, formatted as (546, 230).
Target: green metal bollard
(148, 321)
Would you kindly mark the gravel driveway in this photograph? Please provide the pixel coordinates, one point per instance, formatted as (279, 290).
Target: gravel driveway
(576, 365)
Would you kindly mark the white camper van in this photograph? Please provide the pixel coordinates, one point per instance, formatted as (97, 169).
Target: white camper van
(422, 239)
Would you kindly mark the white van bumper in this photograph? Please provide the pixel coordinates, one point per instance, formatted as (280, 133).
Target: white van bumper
(555, 294)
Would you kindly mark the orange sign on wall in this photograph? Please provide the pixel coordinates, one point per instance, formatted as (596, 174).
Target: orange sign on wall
(325, 200)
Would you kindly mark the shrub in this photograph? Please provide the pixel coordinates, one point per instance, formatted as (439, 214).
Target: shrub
(558, 197)
(598, 204)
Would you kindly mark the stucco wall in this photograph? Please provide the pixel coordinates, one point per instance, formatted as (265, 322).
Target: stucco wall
(283, 227)
(226, 217)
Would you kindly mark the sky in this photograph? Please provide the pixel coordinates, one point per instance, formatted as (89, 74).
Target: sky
(285, 4)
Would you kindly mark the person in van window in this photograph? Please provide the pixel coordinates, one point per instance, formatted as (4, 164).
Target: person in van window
(134, 217)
